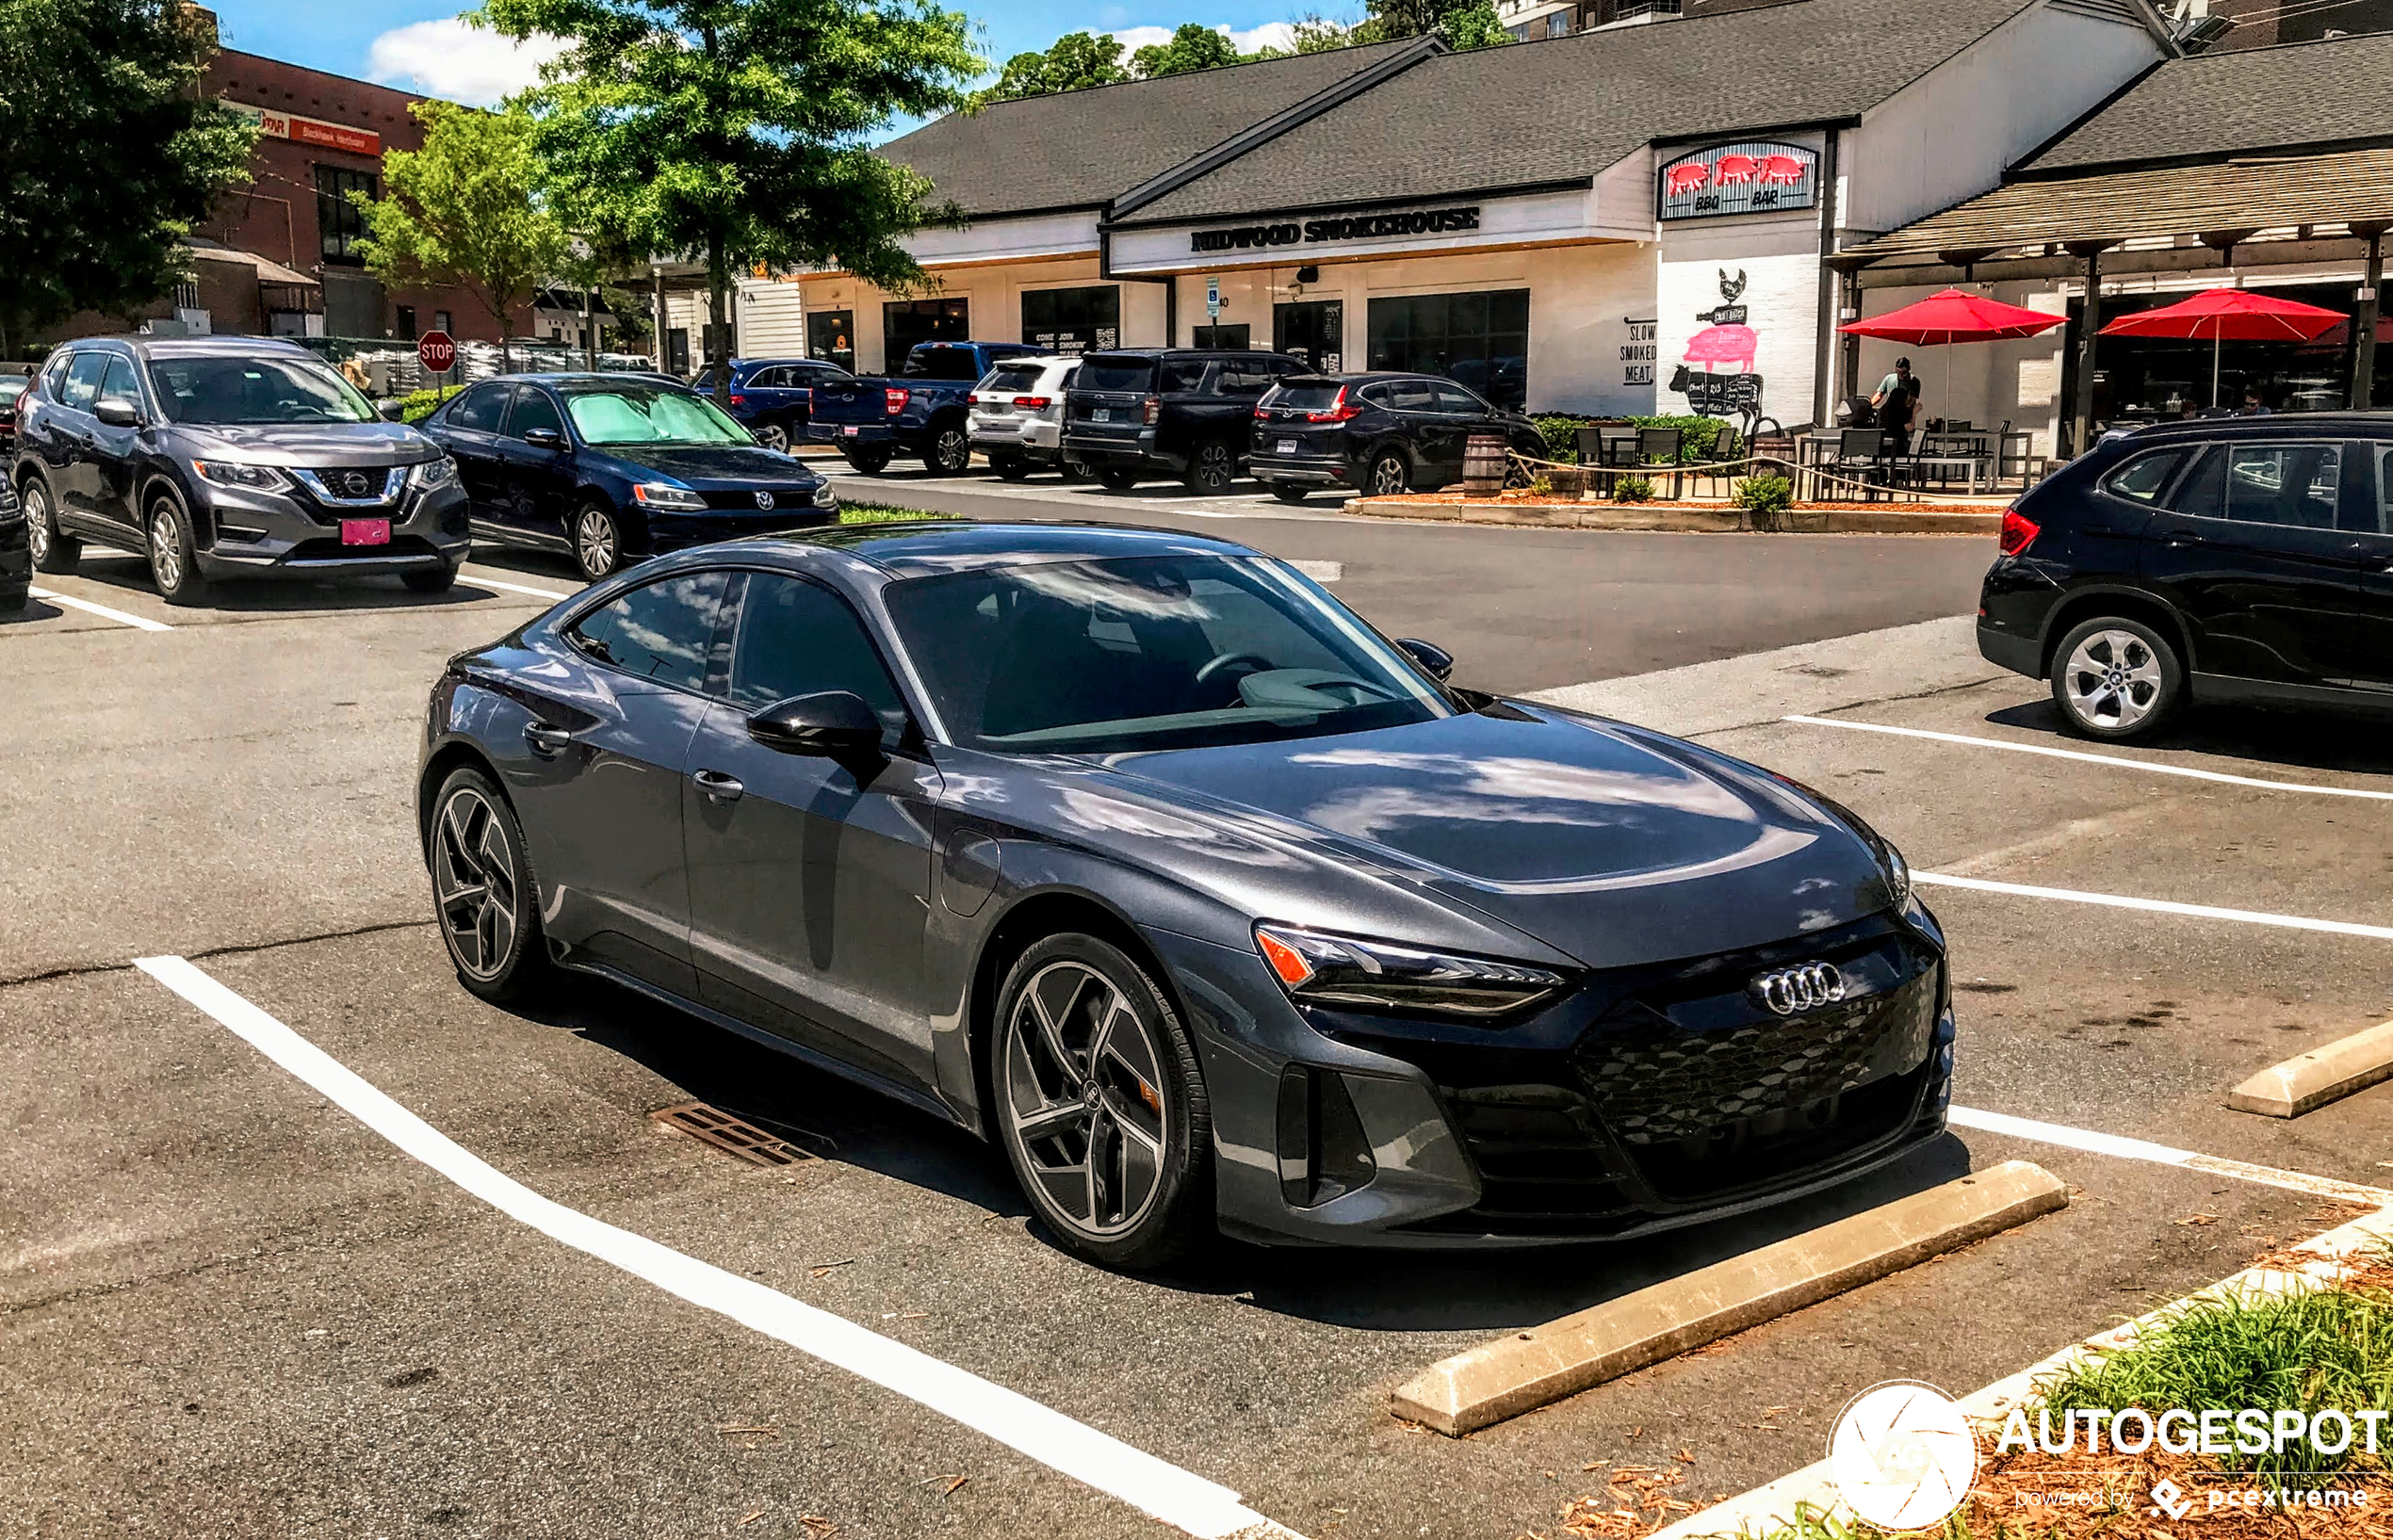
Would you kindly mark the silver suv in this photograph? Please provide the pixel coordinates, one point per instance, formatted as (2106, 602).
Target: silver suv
(1016, 416)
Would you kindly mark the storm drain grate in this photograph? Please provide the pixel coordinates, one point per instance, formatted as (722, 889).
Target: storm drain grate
(713, 1125)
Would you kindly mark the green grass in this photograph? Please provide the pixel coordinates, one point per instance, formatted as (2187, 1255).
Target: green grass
(882, 514)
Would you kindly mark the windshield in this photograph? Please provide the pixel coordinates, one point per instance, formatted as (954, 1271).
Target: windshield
(254, 390)
(651, 416)
(1012, 377)
(1149, 653)
(938, 361)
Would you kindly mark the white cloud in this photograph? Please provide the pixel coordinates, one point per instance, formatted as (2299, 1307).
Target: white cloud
(448, 59)
(1136, 38)
(1274, 34)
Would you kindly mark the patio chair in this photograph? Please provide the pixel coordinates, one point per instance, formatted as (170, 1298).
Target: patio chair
(1860, 455)
(1661, 446)
(1725, 449)
(1607, 448)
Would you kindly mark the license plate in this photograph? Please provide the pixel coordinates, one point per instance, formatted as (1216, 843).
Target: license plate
(1287, 446)
(365, 531)
(1102, 414)
(851, 431)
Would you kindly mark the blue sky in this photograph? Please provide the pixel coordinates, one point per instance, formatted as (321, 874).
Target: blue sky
(418, 45)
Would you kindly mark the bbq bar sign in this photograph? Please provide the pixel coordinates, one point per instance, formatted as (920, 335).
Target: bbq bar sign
(1754, 178)
(1361, 227)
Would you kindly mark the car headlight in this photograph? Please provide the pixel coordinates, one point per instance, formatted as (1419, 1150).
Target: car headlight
(433, 473)
(664, 494)
(826, 496)
(1321, 969)
(225, 473)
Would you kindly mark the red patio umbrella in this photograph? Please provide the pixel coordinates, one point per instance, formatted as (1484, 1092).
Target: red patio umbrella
(2244, 315)
(1954, 315)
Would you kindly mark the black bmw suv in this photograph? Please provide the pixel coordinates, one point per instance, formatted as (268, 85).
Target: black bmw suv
(1376, 433)
(2246, 558)
(229, 457)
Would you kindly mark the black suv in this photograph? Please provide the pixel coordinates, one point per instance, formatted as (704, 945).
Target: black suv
(1161, 412)
(2249, 559)
(225, 457)
(1378, 434)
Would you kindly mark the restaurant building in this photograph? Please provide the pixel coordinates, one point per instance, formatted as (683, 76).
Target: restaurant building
(1627, 221)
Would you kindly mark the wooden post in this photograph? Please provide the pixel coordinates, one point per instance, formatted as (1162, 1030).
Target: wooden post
(2364, 316)
(2089, 322)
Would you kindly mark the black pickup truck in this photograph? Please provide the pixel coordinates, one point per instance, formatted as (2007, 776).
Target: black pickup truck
(920, 410)
(1168, 412)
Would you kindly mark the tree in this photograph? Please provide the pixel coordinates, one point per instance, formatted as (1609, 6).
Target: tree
(110, 155)
(736, 130)
(1193, 46)
(461, 211)
(1458, 23)
(1076, 60)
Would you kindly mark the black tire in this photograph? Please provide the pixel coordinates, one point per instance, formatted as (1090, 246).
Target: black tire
(871, 461)
(491, 927)
(1290, 491)
(950, 452)
(173, 552)
(438, 579)
(2116, 679)
(772, 435)
(1010, 467)
(1211, 468)
(54, 549)
(1389, 474)
(1150, 1107)
(597, 541)
(1117, 478)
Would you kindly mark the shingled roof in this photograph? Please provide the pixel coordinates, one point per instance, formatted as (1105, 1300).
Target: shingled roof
(2213, 105)
(1560, 111)
(1082, 149)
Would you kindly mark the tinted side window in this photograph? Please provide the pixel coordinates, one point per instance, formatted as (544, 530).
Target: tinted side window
(1411, 395)
(798, 639)
(2144, 478)
(1182, 374)
(1243, 377)
(119, 381)
(83, 380)
(1455, 401)
(666, 631)
(480, 408)
(54, 377)
(533, 409)
(2297, 484)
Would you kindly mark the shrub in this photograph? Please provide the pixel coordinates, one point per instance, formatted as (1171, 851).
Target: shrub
(1561, 437)
(1763, 496)
(416, 405)
(1541, 485)
(1633, 489)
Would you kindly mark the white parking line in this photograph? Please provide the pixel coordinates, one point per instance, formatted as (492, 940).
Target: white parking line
(2157, 906)
(2141, 1149)
(136, 621)
(1180, 1499)
(2185, 770)
(514, 588)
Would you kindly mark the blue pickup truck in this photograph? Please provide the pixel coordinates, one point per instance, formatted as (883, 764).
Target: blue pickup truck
(920, 410)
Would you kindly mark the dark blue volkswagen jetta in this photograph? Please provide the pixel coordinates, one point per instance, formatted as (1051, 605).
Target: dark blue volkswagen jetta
(1140, 855)
(611, 468)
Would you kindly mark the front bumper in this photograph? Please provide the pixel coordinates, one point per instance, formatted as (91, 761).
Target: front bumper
(1646, 1100)
(679, 531)
(270, 534)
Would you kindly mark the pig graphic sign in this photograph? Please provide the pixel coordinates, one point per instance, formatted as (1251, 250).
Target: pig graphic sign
(1755, 177)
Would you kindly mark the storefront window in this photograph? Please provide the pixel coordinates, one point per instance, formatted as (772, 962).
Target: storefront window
(2142, 379)
(339, 221)
(1479, 340)
(906, 322)
(830, 335)
(1073, 321)
(1222, 336)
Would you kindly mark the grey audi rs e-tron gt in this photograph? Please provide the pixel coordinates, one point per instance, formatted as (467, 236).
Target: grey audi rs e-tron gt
(1140, 854)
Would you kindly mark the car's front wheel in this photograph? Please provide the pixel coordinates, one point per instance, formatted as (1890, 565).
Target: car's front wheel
(1101, 1105)
(871, 461)
(1290, 491)
(597, 541)
(175, 560)
(482, 887)
(54, 550)
(1010, 467)
(772, 435)
(2116, 679)
(1117, 478)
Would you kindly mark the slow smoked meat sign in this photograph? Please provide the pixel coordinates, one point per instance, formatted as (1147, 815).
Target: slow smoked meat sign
(1760, 177)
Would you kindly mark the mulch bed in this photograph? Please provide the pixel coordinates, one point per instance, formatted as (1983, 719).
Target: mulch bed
(1713, 504)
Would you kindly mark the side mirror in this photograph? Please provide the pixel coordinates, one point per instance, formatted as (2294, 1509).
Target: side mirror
(117, 411)
(544, 438)
(389, 411)
(1435, 660)
(834, 724)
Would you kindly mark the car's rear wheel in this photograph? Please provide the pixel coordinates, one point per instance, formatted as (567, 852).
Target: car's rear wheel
(1010, 467)
(597, 541)
(871, 462)
(950, 452)
(175, 560)
(1213, 467)
(2115, 679)
(1288, 492)
(1101, 1105)
(53, 549)
(1390, 474)
(482, 887)
(772, 435)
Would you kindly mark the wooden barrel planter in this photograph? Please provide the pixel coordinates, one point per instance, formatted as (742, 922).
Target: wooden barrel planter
(1484, 458)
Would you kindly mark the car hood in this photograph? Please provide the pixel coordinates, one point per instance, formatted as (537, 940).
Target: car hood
(718, 465)
(310, 443)
(1610, 844)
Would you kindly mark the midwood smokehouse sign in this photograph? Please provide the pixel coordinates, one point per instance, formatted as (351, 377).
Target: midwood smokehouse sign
(1357, 227)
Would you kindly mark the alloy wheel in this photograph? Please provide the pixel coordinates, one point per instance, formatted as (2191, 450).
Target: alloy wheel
(165, 547)
(952, 451)
(475, 883)
(772, 435)
(1083, 1101)
(1215, 466)
(1387, 475)
(2112, 679)
(37, 523)
(595, 543)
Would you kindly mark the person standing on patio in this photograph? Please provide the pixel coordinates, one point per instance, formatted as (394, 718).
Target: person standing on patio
(1896, 400)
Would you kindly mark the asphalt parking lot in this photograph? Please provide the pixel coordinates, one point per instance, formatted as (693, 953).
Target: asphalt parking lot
(228, 1306)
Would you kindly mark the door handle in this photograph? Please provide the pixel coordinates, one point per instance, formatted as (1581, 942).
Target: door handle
(716, 785)
(546, 739)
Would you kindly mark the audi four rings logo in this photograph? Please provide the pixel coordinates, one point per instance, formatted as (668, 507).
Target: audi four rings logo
(764, 500)
(1807, 986)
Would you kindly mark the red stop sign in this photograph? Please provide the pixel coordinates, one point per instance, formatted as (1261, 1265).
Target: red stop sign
(436, 351)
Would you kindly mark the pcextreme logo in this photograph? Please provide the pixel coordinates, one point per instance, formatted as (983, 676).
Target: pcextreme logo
(1902, 1455)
